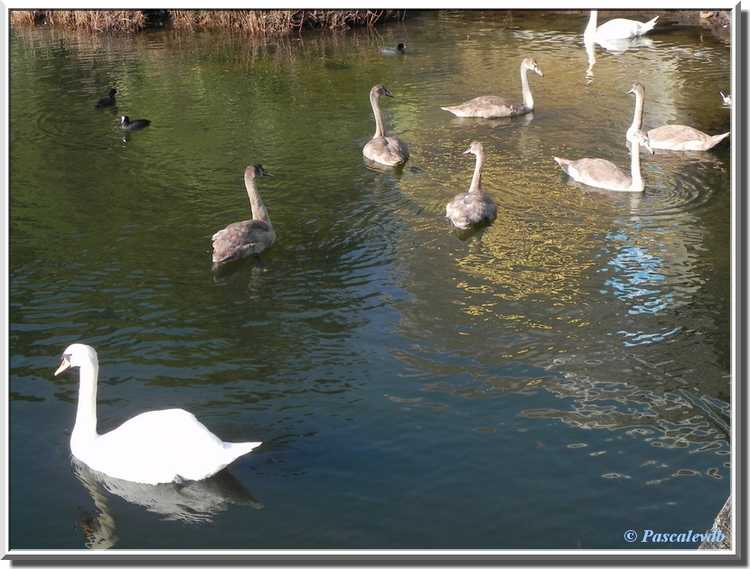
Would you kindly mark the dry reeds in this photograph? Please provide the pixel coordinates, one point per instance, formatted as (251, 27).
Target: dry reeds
(253, 22)
(92, 20)
(276, 22)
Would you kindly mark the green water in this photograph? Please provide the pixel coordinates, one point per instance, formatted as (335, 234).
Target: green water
(550, 382)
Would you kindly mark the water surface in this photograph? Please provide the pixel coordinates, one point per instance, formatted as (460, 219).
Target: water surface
(549, 382)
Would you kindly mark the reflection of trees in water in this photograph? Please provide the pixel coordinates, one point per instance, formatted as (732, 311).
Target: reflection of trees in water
(192, 502)
(678, 418)
(662, 409)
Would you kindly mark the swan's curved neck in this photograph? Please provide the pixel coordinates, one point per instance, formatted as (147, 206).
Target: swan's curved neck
(476, 180)
(256, 204)
(84, 430)
(636, 184)
(379, 126)
(637, 123)
(591, 26)
(528, 100)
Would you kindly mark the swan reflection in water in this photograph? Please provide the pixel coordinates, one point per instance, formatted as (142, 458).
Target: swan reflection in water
(502, 122)
(192, 502)
(614, 46)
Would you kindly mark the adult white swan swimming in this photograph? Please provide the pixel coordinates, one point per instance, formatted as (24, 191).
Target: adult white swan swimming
(154, 447)
(619, 28)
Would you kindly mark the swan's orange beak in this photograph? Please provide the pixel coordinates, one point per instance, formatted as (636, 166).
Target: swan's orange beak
(65, 364)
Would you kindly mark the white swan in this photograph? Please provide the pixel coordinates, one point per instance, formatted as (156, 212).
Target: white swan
(670, 136)
(492, 107)
(726, 99)
(474, 207)
(151, 448)
(619, 28)
(383, 149)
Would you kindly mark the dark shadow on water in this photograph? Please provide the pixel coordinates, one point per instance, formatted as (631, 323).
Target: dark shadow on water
(222, 272)
(505, 122)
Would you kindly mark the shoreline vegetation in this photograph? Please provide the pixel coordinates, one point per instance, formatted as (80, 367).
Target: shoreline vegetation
(254, 22)
(286, 22)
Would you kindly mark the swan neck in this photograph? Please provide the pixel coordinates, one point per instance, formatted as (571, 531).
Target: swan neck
(591, 26)
(637, 113)
(379, 126)
(476, 180)
(257, 207)
(528, 100)
(636, 184)
(84, 430)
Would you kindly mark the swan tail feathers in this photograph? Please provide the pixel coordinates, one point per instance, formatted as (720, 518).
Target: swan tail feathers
(449, 109)
(236, 450)
(718, 138)
(648, 26)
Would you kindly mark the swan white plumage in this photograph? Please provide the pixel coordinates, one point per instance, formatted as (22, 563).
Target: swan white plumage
(619, 28)
(151, 448)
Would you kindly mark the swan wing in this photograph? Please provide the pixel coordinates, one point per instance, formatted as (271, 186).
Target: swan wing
(386, 150)
(596, 172)
(487, 106)
(241, 239)
(676, 133)
(621, 28)
(471, 208)
(161, 446)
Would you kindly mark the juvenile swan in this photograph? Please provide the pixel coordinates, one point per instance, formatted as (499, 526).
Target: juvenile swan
(599, 173)
(245, 238)
(671, 136)
(383, 149)
(619, 28)
(474, 207)
(151, 448)
(491, 107)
